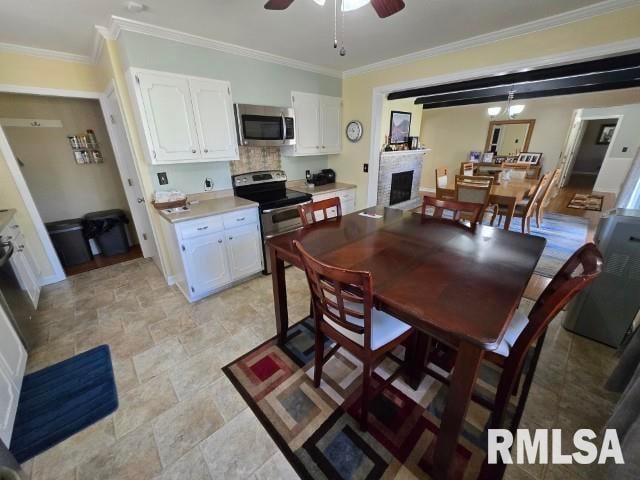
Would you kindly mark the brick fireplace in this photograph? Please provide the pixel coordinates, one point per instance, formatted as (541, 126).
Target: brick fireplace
(399, 178)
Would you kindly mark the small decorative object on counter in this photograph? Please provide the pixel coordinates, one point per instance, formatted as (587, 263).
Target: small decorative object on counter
(171, 199)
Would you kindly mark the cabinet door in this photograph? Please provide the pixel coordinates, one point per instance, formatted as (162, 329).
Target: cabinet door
(13, 358)
(168, 116)
(24, 269)
(331, 113)
(308, 123)
(213, 108)
(245, 250)
(206, 263)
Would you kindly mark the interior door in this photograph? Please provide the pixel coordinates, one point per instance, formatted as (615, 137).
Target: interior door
(169, 118)
(13, 358)
(331, 125)
(245, 250)
(307, 123)
(206, 263)
(570, 150)
(214, 118)
(129, 175)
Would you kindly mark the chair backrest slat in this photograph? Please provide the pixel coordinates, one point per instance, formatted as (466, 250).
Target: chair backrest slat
(545, 197)
(466, 168)
(320, 211)
(538, 191)
(473, 210)
(442, 179)
(339, 294)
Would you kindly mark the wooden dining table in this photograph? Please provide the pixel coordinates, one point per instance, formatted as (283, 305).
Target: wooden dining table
(506, 194)
(457, 284)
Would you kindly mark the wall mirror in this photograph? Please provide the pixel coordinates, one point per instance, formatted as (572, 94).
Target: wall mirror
(507, 138)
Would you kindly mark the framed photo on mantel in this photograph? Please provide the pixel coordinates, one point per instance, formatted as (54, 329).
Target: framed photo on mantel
(399, 127)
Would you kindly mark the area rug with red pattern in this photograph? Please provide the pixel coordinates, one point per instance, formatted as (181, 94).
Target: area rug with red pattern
(318, 429)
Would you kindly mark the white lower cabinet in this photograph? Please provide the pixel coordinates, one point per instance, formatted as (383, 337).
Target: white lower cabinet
(347, 199)
(244, 250)
(22, 262)
(217, 251)
(13, 358)
(206, 263)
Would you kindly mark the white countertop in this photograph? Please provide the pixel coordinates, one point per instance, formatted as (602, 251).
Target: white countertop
(5, 217)
(206, 208)
(301, 186)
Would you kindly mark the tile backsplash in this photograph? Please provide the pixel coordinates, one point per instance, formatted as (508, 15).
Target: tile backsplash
(253, 159)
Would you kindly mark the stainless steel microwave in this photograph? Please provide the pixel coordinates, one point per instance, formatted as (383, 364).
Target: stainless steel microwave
(262, 126)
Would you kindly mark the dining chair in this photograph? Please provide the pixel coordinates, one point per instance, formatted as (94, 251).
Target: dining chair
(526, 333)
(476, 189)
(344, 312)
(319, 211)
(458, 209)
(517, 171)
(545, 197)
(466, 168)
(527, 207)
(442, 180)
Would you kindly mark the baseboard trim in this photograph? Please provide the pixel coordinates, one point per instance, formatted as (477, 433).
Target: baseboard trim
(49, 279)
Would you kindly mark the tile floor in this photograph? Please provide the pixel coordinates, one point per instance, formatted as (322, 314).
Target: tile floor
(180, 418)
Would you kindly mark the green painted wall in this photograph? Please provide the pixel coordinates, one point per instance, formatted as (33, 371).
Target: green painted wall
(252, 81)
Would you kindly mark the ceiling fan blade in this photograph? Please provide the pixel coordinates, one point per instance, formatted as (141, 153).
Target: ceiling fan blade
(277, 4)
(386, 8)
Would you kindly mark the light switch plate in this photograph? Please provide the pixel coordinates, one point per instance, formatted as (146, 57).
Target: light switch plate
(162, 178)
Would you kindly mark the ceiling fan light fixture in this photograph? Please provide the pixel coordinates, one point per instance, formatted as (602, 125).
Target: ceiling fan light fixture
(515, 109)
(320, 2)
(350, 5)
(494, 111)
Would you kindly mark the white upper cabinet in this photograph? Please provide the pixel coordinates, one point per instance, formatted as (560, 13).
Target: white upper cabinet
(331, 115)
(168, 115)
(307, 123)
(213, 109)
(318, 124)
(186, 119)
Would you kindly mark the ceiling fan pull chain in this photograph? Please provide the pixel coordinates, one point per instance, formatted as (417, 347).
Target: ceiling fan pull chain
(343, 52)
(335, 23)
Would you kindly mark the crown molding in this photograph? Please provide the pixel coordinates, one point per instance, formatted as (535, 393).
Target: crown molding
(119, 24)
(546, 23)
(44, 53)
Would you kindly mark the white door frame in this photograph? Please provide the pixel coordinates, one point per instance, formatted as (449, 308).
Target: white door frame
(379, 93)
(58, 272)
(111, 89)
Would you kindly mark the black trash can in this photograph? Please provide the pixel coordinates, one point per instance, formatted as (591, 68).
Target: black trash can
(109, 231)
(69, 240)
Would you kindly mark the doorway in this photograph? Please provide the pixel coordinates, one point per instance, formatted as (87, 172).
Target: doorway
(64, 154)
(590, 153)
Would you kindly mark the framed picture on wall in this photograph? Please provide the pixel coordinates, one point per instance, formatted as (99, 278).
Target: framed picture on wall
(606, 134)
(399, 127)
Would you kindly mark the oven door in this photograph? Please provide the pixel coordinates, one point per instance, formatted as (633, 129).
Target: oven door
(276, 221)
(264, 126)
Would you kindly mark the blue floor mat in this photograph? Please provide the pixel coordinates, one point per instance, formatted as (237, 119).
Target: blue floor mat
(61, 400)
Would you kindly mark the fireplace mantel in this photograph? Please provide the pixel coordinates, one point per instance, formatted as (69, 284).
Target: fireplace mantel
(401, 153)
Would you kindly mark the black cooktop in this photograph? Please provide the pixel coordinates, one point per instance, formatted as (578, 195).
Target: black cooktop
(275, 198)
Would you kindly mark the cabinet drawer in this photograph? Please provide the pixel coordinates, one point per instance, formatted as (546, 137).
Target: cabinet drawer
(240, 217)
(202, 226)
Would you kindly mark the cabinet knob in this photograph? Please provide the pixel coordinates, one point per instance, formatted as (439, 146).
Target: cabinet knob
(230, 238)
(324, 146)
(206, 150)
(193, 150)
(220, 240)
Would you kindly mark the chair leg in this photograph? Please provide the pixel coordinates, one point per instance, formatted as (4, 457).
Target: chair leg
(319, 362)
(364, 407)
(523, 225)
(529, 225)
(494, 215)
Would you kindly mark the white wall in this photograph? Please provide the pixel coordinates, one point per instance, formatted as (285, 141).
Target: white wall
(623, 147)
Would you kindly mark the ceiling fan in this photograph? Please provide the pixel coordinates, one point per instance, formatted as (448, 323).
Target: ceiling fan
(384, 8)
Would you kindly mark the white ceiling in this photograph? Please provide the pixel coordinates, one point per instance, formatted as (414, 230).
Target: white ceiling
(302, 32)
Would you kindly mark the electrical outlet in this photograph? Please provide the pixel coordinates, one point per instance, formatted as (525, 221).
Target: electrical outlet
(365, 167)
(208, 184)
(162, 178)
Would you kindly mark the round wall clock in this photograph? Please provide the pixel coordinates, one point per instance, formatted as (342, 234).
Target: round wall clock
(354, 131)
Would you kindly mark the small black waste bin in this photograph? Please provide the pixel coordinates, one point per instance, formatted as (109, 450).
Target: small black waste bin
(70, 241)
(109, 231)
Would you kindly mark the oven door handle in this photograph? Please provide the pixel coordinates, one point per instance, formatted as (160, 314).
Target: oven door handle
(284, 128)
(288, 207)
(267, 237)
(7, 255)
